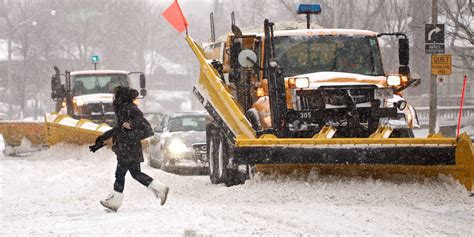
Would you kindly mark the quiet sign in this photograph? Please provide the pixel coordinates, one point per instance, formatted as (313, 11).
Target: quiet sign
(441, 64)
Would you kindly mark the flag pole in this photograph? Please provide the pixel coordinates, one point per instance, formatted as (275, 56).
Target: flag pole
(462, 102)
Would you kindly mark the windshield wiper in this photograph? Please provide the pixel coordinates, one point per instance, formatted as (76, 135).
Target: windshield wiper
(372, 61)
(335, 58)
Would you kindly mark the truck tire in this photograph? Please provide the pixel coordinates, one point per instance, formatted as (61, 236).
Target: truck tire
(218, 155)
(212, 143)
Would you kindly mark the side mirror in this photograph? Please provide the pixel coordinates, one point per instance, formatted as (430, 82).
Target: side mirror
(158, 129)
(57, 90)
(142, 81)
(142, 85)
(403, 52)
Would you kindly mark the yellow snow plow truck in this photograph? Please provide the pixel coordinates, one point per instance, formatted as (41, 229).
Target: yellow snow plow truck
(84, 103)
(315, 99)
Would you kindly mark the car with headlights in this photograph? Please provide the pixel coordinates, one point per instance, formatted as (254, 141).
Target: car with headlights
(179, 143)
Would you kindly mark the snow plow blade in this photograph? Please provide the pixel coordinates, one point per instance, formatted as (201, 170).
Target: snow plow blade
(375, 157)
(62, 128)
(15, 131)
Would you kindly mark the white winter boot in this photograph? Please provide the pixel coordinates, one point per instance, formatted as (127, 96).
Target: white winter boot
(160, 190)
(113, 201)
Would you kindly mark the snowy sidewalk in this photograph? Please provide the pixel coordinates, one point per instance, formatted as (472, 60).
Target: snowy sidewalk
(57, 192)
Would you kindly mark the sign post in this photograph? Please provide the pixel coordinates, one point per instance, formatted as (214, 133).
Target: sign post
(434, 44)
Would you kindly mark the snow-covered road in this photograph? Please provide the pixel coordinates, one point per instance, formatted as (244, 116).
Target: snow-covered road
(57, 192)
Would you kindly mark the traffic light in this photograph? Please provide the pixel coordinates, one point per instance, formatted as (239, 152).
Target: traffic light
(95, 58)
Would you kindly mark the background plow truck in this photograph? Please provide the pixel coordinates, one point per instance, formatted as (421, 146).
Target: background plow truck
(84, 103)
(315, 99)
(83, 108)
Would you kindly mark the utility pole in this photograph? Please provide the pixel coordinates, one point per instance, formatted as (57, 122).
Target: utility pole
(433, 82)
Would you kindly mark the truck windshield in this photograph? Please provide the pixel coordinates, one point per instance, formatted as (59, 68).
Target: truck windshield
(103, 83)
(316, 53)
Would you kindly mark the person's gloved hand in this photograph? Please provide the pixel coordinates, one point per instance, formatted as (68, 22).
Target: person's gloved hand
(96, 147)
(99, 143)
(100, 139)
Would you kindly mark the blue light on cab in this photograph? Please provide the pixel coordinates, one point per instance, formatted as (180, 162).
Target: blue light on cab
(308, 8)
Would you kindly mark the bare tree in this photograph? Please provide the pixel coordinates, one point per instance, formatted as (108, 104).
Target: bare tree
(459, 29)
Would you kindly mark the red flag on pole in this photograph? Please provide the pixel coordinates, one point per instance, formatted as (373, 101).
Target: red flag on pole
(175, 17)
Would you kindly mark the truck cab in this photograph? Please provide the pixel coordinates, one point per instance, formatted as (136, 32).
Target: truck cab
(310, 78)
(89, 94)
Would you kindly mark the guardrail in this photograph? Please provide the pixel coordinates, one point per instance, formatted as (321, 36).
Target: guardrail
(446, 115)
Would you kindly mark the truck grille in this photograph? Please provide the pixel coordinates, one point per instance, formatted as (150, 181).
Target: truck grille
(337, 96)
(99, 108)
(199, 147)
(200, 150)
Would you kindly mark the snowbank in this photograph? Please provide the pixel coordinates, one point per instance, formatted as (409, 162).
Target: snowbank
(56, 192)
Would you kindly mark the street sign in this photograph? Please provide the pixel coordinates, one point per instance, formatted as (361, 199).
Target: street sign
(434, 48)
(441, 64)
(434, 33)
(434, 38)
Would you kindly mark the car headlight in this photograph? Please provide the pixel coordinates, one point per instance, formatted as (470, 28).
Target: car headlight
(394, 80)
(177, 147)
(79, 102)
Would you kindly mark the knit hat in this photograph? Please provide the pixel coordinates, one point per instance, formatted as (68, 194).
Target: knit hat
(125, 93)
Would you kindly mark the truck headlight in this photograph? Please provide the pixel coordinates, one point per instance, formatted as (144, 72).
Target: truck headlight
(298, 82)
(177, 147)
(394, 80)
(79, 102)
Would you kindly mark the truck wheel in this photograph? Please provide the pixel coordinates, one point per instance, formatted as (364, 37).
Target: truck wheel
(219, 151)
(402, 133)
(217, 158)
(212, 140)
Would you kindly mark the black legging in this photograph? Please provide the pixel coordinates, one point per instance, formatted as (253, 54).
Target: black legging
(136, 173)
